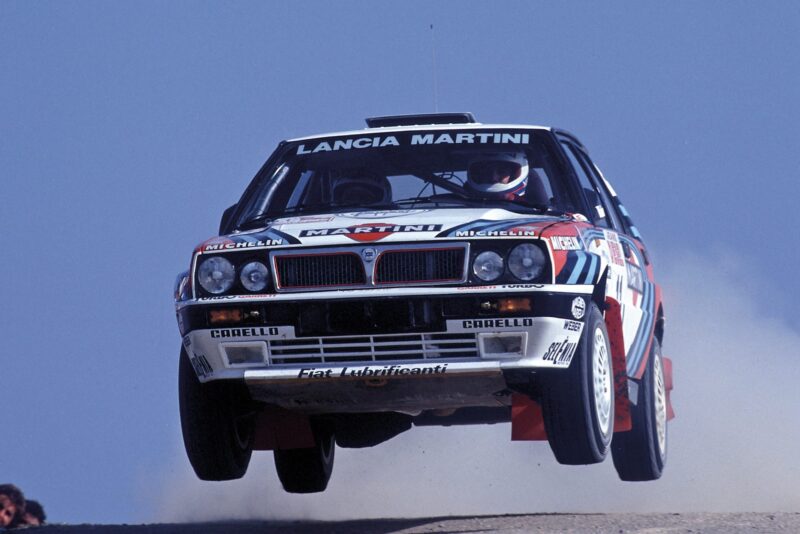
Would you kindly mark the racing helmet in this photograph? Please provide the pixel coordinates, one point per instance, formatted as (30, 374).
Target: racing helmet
(361, 189)
(485, 168)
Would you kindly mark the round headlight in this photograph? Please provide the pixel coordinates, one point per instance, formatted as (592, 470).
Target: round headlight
(488, 266)
(216, 275)
(254, 276)
(526, 261)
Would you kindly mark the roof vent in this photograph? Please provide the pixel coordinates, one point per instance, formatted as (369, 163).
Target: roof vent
(422, 119)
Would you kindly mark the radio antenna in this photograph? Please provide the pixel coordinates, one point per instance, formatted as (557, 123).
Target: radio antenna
(435, 84)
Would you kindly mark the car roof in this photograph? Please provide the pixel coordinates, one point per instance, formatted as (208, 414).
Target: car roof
(421, 127)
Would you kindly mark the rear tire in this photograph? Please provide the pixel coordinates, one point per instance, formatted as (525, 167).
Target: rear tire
(641, 453)
(217, 424)
(308, 470)
(578, 402)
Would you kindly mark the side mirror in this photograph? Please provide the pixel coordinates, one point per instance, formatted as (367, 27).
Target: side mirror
(226, 218)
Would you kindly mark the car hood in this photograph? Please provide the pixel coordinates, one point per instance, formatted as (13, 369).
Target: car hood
(387, 226)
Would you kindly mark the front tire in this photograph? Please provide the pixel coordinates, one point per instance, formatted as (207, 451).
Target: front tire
(641, 453)
(578, 402)
(308, 470)
(217, 424)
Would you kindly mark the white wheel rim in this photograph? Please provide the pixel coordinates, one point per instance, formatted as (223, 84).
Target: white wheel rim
(661, 405)
(601, 373)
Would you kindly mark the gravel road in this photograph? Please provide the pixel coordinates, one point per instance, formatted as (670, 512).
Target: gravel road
(605, 523)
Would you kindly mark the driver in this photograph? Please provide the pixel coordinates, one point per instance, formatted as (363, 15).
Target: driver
(498, 175)
(361, 190)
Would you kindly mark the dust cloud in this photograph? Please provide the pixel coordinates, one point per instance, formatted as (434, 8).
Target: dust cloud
(733, 446)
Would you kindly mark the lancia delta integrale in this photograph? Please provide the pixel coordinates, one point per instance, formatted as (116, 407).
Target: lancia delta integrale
(427, 270)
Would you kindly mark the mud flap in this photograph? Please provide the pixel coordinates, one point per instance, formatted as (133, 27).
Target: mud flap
(276, 428)
(527, 423)
(622, 406)
(667, 363)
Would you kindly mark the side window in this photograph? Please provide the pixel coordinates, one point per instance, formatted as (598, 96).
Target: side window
(610, 206)
(626, 225)
(600, 212)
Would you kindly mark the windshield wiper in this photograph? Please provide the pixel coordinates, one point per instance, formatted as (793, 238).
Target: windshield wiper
(476, 201)
(521, 204)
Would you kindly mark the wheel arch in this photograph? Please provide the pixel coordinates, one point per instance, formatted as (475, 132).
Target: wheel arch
(660, 323)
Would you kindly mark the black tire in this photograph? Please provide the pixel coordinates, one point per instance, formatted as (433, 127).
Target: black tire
(580, 423)
(641, 453)
(308, 470)
(217, 424)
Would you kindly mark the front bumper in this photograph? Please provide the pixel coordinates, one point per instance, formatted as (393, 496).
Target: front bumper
(386, 352)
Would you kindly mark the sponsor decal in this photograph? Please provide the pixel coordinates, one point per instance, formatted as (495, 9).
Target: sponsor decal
(614, 248)
(520, 227)
(256, 331)
(306, 219)
(200, 365)
(437, 138)
(563, 242)
(479, 138)
(497, 323)
(468, 288)
(578, 307)
(572, 326)
(369, 232)
(230, 245)
(385, 214)
(372, 371)
(237, 297)
(560, 352)
(260, 238)
(522, 231)
(522, 286)
(635, 278)
(349, 144)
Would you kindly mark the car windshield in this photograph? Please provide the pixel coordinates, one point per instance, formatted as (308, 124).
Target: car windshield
(515, 169)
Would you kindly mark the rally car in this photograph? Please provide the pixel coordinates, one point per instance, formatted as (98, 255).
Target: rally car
(427, 270)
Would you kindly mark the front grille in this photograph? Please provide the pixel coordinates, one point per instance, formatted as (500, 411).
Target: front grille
(420, 265)
(320, 270)
(378, 348)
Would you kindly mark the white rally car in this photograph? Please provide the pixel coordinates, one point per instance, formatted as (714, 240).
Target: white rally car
(427, 270)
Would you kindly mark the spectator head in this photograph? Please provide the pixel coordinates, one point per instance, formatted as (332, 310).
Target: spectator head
(12, 505)
(34, 513)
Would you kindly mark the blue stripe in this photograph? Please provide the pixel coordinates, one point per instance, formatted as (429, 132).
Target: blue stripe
(592, 270)
(573, 278)
(640, 341)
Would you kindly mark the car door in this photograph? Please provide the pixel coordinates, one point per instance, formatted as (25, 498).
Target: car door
(610, 240)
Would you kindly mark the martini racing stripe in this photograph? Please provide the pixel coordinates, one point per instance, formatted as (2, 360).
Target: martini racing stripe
(638, 347)
(581, 268)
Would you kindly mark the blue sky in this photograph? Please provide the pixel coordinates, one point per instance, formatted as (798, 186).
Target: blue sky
(126, 129)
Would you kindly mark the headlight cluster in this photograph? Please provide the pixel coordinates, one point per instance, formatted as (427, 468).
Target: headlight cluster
(217, 275)
(526, 262)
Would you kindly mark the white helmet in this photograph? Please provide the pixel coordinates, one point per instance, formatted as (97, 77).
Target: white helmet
(485, 167)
